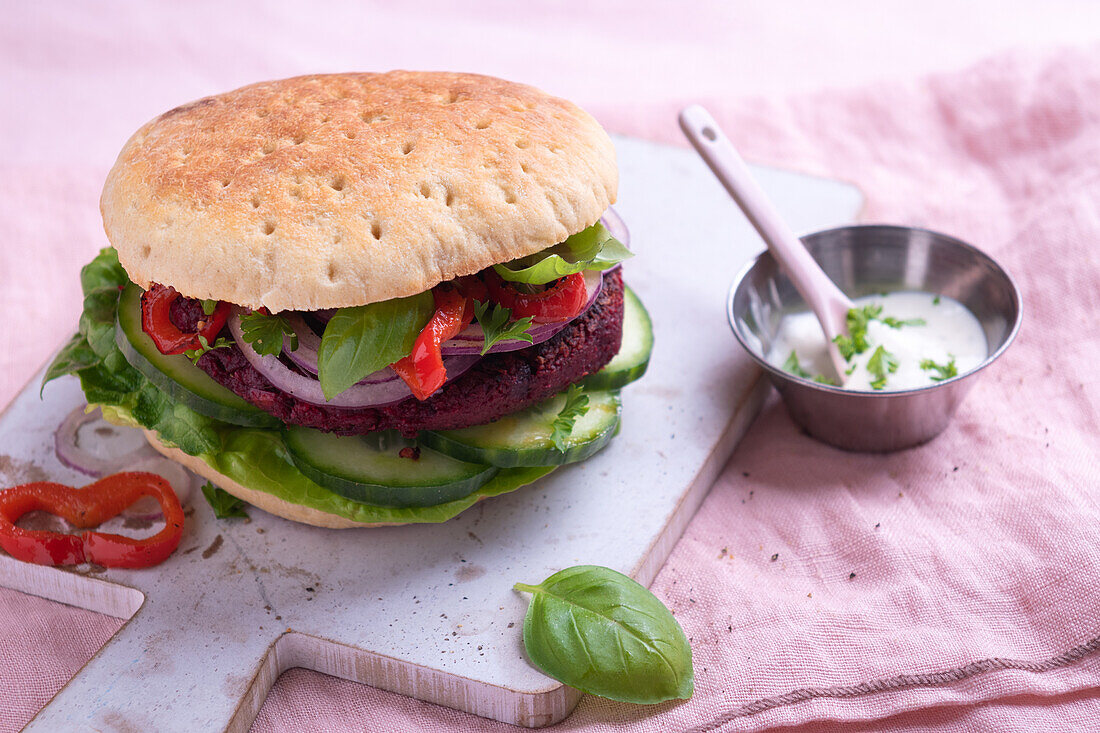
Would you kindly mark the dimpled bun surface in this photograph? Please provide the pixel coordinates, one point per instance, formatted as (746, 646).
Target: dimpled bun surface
(345, 189)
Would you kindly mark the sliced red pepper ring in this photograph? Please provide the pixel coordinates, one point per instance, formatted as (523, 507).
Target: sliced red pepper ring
(156, 305)
(90, 507)
(423, 369)
(562, 300)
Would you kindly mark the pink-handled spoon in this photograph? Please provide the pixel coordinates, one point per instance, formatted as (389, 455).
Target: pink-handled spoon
(828, 303)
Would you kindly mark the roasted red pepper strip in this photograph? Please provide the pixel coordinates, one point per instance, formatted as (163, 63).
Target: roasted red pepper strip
(423, 369)
(156, 303)
(562, 300)
(89, 507)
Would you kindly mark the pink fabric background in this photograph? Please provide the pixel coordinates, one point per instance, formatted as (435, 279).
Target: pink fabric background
(973, 605)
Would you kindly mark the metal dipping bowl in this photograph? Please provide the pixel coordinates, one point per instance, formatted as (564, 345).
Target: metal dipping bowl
(863, 260)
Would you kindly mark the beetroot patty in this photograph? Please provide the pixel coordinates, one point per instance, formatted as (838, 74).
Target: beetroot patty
(497, 385)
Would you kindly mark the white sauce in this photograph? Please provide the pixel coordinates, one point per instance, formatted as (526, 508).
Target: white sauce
(950, 332)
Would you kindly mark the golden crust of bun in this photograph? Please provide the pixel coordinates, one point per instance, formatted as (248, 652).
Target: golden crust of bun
(345, 189)
(260, 499)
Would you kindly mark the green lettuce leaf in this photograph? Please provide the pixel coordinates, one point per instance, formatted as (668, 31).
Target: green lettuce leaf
(364, 339)
(73, 357)
(259, 460)
(252, 457)
(103, 273)
(108, 379)
(590, 249)
(224, 504)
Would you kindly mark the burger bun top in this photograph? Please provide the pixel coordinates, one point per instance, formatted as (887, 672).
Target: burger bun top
(339, 190)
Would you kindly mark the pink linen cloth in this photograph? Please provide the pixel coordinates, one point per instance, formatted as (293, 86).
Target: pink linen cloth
(949, 587)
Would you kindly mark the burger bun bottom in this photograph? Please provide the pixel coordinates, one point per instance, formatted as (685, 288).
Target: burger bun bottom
(260, 499)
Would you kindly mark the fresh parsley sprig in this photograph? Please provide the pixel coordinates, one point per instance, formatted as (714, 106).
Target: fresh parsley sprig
(576, 406)
(791, 365)
(266, 333)
(204, 346)
(943, 371)
(495, 325)
(857, 319)
(897, 323)
(881, 363)
(856, 340)
(795, 368)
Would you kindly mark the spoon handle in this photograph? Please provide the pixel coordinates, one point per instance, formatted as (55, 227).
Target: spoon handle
(820, 293)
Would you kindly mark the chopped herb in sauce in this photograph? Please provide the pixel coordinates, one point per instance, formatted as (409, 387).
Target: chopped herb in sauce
(943, 371)
(882, 362)
(792, 366)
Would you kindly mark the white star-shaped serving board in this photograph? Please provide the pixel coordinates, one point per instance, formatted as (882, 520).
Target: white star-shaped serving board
(428, 610)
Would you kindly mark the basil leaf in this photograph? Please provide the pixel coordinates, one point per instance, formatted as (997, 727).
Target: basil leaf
(590, 249)
(603, 633)
(612, 253)
(495, 325)
(266, 333)
(224, 504)
(364, 339)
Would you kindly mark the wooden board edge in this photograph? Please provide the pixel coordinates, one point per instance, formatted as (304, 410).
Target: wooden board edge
(300, 650)
(748, 407)
(71, 588)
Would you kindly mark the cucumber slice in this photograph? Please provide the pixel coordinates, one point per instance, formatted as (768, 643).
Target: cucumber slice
(371, 470)
(633, 357)
(176, 375)
(524, 438)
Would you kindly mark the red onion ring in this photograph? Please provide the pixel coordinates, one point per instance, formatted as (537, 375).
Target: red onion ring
(384, 387)
(105, 452)
(305, 356)
(472, 338)
(309, 343)
(307, 388)
(616, 226)
(379, 389)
